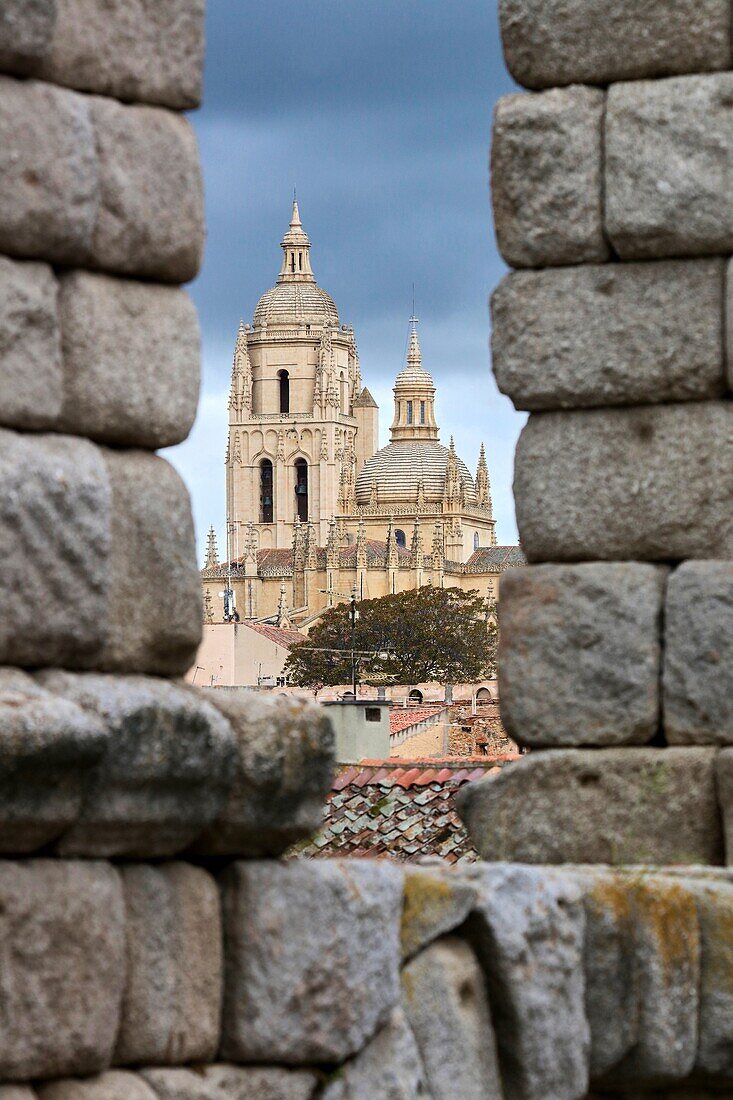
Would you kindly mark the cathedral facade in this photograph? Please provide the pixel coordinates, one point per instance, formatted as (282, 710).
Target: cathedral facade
(316, 510)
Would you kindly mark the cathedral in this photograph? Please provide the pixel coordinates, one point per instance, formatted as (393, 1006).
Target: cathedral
(316, 510)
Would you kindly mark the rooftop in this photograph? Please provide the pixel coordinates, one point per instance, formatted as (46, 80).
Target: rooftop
(400, 809)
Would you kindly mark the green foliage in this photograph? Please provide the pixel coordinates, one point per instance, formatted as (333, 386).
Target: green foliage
(441, 634)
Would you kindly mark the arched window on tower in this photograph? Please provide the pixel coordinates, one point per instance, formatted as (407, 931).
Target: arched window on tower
(284, 392)
(301, 490)
(475, 540)
(409, 412)
(266, 491)
(422, 412)
(400, 537)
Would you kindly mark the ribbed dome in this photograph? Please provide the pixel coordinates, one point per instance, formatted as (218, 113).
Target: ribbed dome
(295, 303)
(398, 468)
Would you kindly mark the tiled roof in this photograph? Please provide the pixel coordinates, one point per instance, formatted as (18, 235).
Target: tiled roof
(286, 638)
(401, 809)
(401, 718)
(489, 559)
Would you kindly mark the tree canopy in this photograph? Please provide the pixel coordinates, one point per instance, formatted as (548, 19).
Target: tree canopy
(442, 634)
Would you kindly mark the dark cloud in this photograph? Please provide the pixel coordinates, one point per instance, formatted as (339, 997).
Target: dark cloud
(379, 111)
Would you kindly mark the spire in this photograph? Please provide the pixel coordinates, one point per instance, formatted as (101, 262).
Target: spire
(438, 546)
(483, 487)
(414, 396)
(361, 544)
(392, 553)
(240, 393)
(212, 550)
(283, 617)
(332, 544)
(296, 265)
(417, 559)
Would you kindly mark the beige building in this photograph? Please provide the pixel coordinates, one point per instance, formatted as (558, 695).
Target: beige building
(315, 509)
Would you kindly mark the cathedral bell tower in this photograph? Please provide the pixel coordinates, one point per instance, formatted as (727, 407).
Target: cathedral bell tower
(292, 452)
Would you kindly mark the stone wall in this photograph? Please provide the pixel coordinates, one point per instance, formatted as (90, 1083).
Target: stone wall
(155, 945)
(612, 202)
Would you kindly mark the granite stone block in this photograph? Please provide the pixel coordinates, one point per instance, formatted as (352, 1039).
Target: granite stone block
(547, 178)
(653, 483)
(153, 613)
(48, 745)
(31, 377)
(150, 219)
(26, 27)
(610, 334)
(131, 356)
(62, 930)
(279, 781)
(55, 521)
(299, 939)
(148, 51)
(698, 654)
(551, 42)
(615, 806)
(436, 901)
(668, 152)
(528, 932)
(49, 172)
(172, 1003)
(446, 1004)
(226, 1082)
(115, 1084)
(580, 653)
(388, 1066)
(166, 771)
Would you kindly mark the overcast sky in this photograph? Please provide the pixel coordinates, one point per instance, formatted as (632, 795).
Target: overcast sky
(379, 112)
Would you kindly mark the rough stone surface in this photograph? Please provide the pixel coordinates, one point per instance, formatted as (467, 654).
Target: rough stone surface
(153, 616)
(642, 966)
(172, 1004)
(436, 901)
(698, 703)
(616, 806)
(130, 360)
(550, 42)
(26, 27)
(270, 1083)
(724, 782)
(16, 1092)
(145, 50)
(55, 548)
(49, 179)
(150, 219)
(580, 653)
(714, 901)
(224, 1082)
(445, 1001)
(62, 930)
(113, 1085)
(669, 145)
(47, 744)
(652, 483)
(282, 774)
(388, 1068)
(299, 939)
(528, 931)
(164, 775)
(610, 334)
(31, 377)
(546, 178)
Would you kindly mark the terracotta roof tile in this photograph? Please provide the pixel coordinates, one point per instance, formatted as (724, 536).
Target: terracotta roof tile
(285, 638)
(401, 718)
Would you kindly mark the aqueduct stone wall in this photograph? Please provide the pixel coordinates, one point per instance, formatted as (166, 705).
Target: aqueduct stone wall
(154, 945)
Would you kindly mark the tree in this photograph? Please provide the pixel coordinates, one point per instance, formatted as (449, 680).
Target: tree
(441, 634)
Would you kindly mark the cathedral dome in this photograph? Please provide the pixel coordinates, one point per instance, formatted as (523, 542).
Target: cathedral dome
(296, 303)
(397, 469)
(297, 298)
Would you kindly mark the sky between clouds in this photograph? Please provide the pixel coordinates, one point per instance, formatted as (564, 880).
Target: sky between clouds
(379, 111)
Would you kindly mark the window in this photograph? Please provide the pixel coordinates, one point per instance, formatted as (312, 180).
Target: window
(422, 412)
(373, 714)
(409, 412)
(266, 497)
(415, 696)
(284, 392)
(301, 490)
(300, 261)
(475, 540)
(400, 537)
